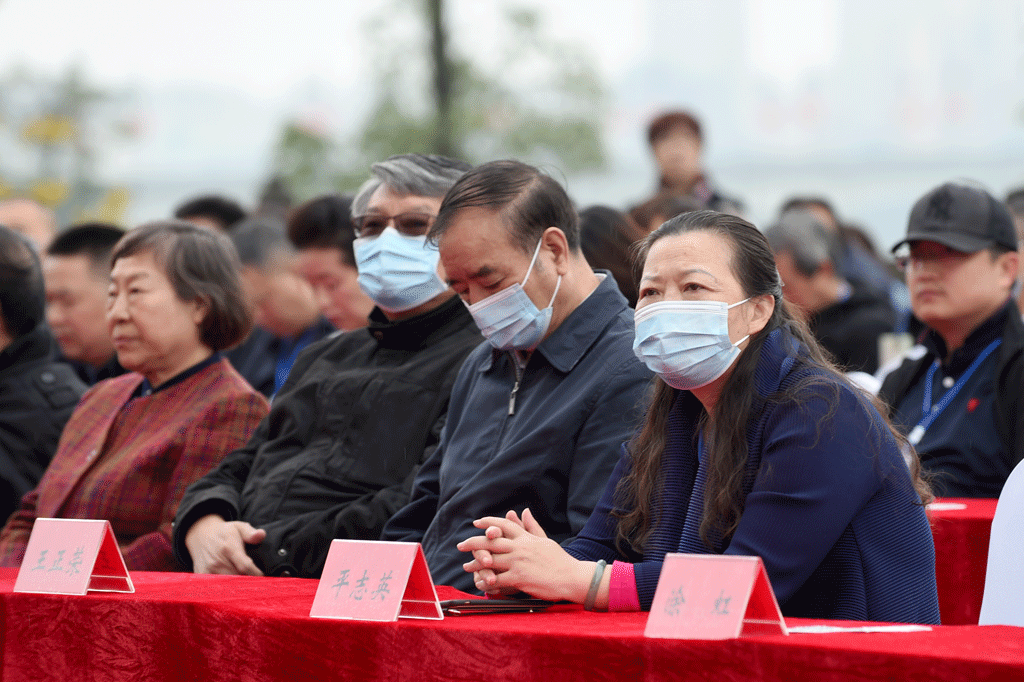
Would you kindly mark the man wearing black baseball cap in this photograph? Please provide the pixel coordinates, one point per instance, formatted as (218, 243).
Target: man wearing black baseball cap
(957, 402)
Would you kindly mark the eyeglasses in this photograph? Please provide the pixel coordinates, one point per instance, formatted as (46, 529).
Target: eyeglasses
(409, 224)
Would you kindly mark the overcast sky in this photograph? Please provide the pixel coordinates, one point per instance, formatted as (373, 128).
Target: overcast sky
(795, 83)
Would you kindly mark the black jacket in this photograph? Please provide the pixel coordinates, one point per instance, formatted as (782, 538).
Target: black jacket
(37, 396)
(1009, 380)
(336, 456)
(849, 329)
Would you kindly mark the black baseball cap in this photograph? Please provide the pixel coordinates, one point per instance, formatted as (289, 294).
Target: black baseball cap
(961, 217)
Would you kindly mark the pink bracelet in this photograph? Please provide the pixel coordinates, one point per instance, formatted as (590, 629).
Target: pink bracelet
(622, 594)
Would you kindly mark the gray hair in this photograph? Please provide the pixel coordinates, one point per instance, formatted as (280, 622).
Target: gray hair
(201, 265)
(421, 175)
(260, 239)
(800, 234)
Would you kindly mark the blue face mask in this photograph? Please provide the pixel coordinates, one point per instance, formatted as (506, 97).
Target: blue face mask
(509, 319)
(686, 342)
(397, 271)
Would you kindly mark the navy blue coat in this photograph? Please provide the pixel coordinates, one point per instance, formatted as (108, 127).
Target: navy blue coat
(830, 506)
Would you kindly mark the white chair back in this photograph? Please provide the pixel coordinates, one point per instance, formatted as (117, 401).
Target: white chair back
(1003, 602)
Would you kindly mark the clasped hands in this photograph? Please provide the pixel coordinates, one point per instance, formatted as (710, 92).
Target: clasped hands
(515, 554)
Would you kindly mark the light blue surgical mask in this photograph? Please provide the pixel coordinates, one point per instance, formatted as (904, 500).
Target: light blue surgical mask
(397, 271)
(686, 342)
(509, 319)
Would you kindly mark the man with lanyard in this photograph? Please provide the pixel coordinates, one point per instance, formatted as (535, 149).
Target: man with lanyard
(957, 399)
(539, 413)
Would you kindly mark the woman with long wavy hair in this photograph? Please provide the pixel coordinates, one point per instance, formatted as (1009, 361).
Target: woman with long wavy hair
(753, 444)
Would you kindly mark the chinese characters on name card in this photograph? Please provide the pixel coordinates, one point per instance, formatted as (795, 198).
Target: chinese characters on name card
(72, 556)
(713, 597)
(380, 581)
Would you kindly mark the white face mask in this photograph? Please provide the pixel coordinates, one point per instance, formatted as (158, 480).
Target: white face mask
(686, 342)
(509, 319)
(397, 271)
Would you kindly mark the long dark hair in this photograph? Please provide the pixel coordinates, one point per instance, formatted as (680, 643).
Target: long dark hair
(754, 268)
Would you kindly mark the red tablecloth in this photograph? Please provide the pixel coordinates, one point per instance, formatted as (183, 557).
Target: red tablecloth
(185, 627)
(961, 557)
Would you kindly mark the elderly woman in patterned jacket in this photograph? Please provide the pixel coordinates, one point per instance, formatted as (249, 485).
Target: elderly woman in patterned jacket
(137, 441)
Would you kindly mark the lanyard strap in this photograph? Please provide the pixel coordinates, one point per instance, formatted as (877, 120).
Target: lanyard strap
(930, 414)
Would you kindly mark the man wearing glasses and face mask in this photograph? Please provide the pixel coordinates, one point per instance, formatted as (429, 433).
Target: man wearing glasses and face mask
(538, 413)
(359, 411)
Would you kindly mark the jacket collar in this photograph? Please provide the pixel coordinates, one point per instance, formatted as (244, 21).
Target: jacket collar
(778, 355)
(419, 331)
(567, 344)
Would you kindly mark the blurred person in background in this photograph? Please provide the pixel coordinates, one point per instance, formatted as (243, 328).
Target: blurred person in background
(360, 410)
(211, 211)
(322, 231)
(958, 400)
(607, 237)
(135, 442)
(677, 143)
(1015, 203)
(855, 261)
(76, 270)
(285, 312)
(661, 207)
(30, 218)
(845, 316)
(37, 394)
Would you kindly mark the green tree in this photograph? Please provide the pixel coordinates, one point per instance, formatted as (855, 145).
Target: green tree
(540, 101)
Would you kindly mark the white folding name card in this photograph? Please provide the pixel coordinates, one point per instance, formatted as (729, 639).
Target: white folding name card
(72, 556)
(708, 596)
(372, 580)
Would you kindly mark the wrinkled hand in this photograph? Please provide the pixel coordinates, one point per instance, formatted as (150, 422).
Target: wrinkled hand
(514, 555)
(484, 577)
(218, 546)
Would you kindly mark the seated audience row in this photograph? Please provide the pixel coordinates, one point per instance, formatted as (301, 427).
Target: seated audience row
(417, 428)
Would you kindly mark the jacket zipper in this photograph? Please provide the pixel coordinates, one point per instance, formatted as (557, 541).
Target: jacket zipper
(515, 387)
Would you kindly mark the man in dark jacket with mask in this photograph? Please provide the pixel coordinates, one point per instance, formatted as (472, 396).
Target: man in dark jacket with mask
(336, 456)
(37, 394)
(539, 413)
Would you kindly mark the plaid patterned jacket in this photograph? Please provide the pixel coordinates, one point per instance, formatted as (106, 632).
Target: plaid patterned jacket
(130, 461)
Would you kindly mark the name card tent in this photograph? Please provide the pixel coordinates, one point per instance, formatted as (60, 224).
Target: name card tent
(707, 596)
(72, 556)
(378, 581)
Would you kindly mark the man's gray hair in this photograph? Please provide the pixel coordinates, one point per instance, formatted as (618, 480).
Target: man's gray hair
(260, 239)
(800, 234)
(421, 175)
